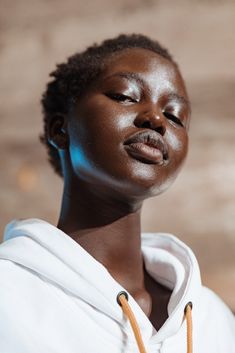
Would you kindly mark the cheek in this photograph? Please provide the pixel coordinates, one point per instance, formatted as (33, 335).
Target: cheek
(178, 144)
(178, 147)
(98, 120)
(95, 137)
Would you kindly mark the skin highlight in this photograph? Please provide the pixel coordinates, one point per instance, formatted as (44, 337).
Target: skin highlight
(104, 184)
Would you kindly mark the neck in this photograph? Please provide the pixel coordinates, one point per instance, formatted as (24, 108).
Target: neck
(109, 229)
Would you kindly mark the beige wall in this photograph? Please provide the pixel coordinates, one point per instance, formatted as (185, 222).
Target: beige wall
(200, 207)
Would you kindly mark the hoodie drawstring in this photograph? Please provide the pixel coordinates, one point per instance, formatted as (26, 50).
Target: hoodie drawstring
(189, 321)
(122, 299)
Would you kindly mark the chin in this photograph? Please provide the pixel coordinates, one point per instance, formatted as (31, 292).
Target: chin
(147, 188)
(140, 191)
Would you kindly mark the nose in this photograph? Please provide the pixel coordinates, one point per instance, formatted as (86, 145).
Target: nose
(151, 119)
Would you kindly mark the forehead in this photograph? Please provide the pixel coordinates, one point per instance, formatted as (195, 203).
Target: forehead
(151, 67)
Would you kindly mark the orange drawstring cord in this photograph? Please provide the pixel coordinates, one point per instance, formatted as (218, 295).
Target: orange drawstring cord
(189, 321)
(122, 300)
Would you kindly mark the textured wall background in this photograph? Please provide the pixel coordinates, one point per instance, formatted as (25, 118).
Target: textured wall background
(200, 207)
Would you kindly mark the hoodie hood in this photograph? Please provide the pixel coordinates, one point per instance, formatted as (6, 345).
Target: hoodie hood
(55, 256)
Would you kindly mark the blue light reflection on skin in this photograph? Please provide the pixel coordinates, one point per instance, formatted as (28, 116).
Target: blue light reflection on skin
(79, 160)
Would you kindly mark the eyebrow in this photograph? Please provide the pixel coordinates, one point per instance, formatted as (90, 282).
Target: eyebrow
(181, 99)
(132, 76)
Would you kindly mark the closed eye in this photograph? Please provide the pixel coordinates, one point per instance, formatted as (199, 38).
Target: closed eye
(173, 118)
(120, 97)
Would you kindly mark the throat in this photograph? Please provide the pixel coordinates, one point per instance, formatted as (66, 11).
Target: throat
(153, 300)
(144, 300)
(160, 298)
(151, 296)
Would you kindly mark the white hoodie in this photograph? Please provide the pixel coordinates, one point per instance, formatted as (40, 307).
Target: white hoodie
(56, 298)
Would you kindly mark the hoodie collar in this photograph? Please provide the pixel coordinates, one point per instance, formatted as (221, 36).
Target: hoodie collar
(167, 259)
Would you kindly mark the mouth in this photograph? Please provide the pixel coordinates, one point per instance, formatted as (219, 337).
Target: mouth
(148, 147)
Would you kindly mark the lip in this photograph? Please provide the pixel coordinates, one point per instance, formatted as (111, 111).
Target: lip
(147, 146)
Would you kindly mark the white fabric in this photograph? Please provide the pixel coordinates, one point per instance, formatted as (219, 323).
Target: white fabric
(56, 298)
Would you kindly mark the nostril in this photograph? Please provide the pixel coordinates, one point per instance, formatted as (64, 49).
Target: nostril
(146, 124)
(161, 130)
(151, 121)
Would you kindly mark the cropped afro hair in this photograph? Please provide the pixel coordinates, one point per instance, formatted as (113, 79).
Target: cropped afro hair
(72, 78)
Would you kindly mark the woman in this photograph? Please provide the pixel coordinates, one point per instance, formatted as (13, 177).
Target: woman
(116, 120)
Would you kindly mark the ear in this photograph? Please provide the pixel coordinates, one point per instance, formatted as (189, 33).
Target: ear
(57, 132)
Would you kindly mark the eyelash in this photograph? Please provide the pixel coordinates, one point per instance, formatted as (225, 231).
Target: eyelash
(120, 97)
(173, 118)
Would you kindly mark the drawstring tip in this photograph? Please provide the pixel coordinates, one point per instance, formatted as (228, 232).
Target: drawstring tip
(118, 297)
(189, 304)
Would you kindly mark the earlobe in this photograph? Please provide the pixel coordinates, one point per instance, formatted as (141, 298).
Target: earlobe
(57, 132)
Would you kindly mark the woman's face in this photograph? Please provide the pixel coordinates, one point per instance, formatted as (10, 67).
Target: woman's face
(128, 134)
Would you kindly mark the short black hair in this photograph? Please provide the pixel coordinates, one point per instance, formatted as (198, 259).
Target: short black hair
(72, 78)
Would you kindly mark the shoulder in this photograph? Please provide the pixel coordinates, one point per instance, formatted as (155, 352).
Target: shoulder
(12, 279)
(216, 321)
(19, 286)
(10, 301)
(215, 304)
(9, 272)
